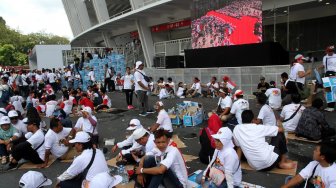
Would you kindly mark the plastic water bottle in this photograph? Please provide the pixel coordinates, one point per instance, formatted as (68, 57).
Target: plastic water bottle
(125, 176)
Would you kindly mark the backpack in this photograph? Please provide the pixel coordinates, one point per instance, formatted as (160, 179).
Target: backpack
(6, 95)
(98, 100)
(28, 81)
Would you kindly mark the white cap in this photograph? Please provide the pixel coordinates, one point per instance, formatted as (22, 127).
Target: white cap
(137, 64)
(2, 112)
(88, 110)
(224, 134)
(13, 113)
(160, 103)
(4, 120)
(299, 56)
(138, 133)
(105, 180)
(81, 137)
(134, 124)
(33, 179)
(25, 120)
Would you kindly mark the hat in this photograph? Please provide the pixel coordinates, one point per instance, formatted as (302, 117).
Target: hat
(33, 179)
(87, 109)
(160, 103)
(138, 133)
(239, 92)
(300, 57)
(134, 124)
(330, 49)
(4, 120)
(30, 121)
(224, 134)
(137, 64)
(104, 179)
(13, 113)
(226, 78)
(3, 112)
(81, 137)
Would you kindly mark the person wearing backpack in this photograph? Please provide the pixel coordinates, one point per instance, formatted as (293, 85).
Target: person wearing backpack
(4, 92)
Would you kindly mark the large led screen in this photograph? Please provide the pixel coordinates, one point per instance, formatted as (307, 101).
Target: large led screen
(226, 22)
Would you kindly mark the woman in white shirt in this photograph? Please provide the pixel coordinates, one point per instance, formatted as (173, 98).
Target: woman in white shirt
(297, 75)
(128, 79)
(224, 161)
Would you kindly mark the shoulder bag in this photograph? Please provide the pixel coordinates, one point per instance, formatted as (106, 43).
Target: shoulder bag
(81, 176)
(292, 116)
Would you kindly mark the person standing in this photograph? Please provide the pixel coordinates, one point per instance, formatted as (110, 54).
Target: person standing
(141, 88)
(107, 78)
(297, 75)
(329, 65)
(91, 76)
(128, 79)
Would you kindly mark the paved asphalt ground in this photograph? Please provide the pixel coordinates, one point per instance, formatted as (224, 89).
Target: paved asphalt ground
(114, 125)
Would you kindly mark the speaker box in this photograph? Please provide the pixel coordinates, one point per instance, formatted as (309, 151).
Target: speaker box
(176, 61)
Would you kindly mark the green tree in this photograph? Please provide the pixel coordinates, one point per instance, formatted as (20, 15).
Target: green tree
(7, 52)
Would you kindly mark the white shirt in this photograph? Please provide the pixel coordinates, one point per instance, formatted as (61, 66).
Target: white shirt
(92, 76)
(213, 86)
(172, 85)
(173, 161)
(68, 106)
(150, 144)
(50, 108)
(52, 142)
(225, 103)
(274, 97)
(287, 112)
(39, 78)
(295, 69)
(36, 140)
(17, 103)
(86, 126)
(68, 75)
(331, 60)
(164, 121)
(325, 176)
(24, 77)
(109, 102)
(128, 81)
(197, 86)
(238, 107)
(163, 93)
(82, 161)
(180, 91)
(21, 127)
(129, 142)
(266, 114)
(108, 73)
(251, 139)
(51, 77)
(138, 77)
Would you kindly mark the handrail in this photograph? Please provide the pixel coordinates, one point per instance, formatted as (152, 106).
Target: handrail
(121, 13)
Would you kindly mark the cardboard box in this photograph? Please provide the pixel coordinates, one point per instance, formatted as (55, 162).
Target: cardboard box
(193, 120)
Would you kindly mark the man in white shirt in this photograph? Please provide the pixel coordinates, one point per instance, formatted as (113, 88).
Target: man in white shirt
(250, 138)
(69, 78)
(195, 90)
(17, 123)
(163, 120)
(224, 104)
(239, 105)
(266, 115)
(57, 140)
(164, 164)
(52, 80)
(141, 88)
(212, 87)
(318, 173)
(274, 96)
(290, 123)
(88, 123)
(83, 145)
(91, 76)
(145, 139)
(297, 74)
(107, 78)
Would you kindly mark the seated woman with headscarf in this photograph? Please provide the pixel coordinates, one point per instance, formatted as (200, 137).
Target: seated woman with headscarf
(206, 140)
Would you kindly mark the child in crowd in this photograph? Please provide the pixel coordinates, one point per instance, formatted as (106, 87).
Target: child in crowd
(181, 91)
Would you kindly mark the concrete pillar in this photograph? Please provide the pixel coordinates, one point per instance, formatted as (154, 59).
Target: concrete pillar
(106, 39)
(146, 39)
(101, 10)
(73, 17)
(83, 14)
(135, 4)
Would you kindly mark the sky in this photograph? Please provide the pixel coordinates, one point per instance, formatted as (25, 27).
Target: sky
(30, 16)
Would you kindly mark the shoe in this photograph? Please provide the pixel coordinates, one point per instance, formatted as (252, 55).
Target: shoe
(10, 166)
(3, 160)
(131, 107)
(143, 114)
(150, 112)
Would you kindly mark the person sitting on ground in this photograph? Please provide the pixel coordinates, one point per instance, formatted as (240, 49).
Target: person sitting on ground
(51, 105)
(224, 104)
(57, 140)
(66, 104)
(318, 173)
(164, 164)
(17, 101)
(195, 90)
(313, 124)
(171, 84)
(33, 149)
(212, 87)
(86, 102)
(290, 123)
(166, 92)
(97, 98)
(163, 120)
(8, 133)
(88, 123)
(19, 125)
(250, 138)
(181, 91)
(83, 145)
(274, 96)
(224, 161)
(239, 105)
(263, 86)
(41, 107)
(129, 145)
(266, 115)
(207, 142)
(34, 179)
(105, 180)
(106, 104)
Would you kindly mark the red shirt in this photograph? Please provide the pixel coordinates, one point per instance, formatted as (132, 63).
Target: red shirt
(87, 102)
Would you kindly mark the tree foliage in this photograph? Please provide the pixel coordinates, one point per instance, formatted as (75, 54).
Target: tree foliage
(15, 46)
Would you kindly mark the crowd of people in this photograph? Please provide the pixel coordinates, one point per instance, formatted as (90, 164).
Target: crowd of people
(233, 134)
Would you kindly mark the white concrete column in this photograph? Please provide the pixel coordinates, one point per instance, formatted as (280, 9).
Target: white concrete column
(106, 39)
(101, 10)
(135, 4)
(83, 14)
(146, 39)
(73, 17)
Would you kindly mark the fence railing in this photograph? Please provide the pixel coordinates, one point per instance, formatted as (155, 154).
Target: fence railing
(172, 47)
